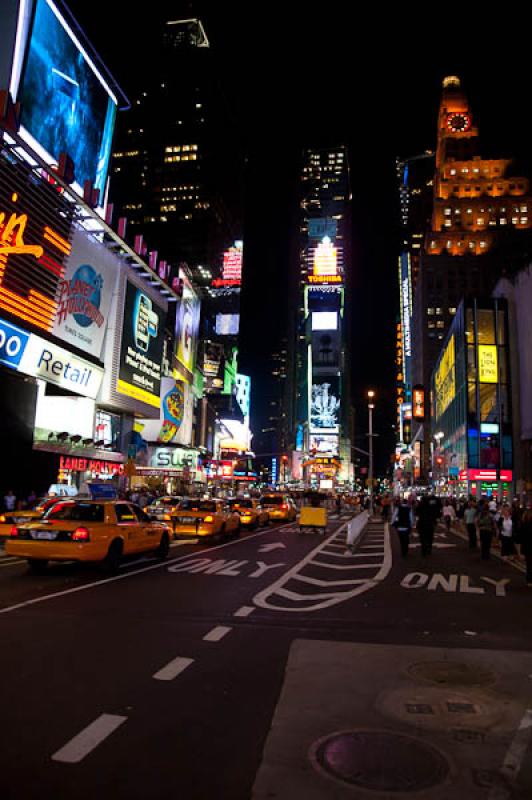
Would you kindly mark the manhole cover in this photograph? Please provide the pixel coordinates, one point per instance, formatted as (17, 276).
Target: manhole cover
(419, 708)
(380, 761)
(451, 673)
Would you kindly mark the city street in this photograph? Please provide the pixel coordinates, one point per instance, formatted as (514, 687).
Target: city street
(164, 680)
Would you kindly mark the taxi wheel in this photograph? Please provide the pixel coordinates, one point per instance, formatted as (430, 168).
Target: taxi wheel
(112, 560)
(37, 565)
(164, 547)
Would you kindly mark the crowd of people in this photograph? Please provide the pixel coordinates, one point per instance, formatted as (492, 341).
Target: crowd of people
(487, 523)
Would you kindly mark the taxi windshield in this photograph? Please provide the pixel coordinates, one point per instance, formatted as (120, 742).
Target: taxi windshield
(244, 502)
(197, 505)
(165, 501)
(77, 512)
(272, 500)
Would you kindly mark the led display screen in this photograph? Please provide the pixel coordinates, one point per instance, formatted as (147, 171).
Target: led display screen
(325, 405)
(324, 320)
(34, 241)
(187, 326)
(444, 380)
(227, 324)
(141, 349)
(65, 105)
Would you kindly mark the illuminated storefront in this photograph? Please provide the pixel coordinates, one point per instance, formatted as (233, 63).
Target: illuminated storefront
(471, 402)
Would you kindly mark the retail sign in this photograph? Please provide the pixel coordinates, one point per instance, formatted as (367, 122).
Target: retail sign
(84, 294)
(506, 475)
(28, 353)
(176, 458)
(487, 363)
(68, 464)
(139, 374)
(418, 403)
(482, 474)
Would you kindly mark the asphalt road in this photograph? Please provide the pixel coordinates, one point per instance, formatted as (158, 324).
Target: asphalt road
(162, 681)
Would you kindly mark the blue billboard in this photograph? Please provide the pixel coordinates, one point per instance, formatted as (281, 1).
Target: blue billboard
(66, 106)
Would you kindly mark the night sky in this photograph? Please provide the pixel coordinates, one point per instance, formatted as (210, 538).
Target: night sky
(300, 74)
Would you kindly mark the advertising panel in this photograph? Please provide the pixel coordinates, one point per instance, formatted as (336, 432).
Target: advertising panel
(25, 352)
(227, 324)
(444, 380)
(176, 412)
(84, 295)
(141, 351)
(324, 443)
(319, 227)
(67, 107)
(324, 320)
(325, 405)
(418, 402)
(487, 363)
(232, 267)
(187, 326)
(34, 240)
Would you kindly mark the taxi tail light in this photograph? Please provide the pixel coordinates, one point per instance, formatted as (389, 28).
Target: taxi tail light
(284, 507)
(13, 531)
(2, 518)
(80, 535)
(208, 518)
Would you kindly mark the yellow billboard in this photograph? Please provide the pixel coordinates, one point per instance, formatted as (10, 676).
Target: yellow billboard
(488, 371)
(445, 380)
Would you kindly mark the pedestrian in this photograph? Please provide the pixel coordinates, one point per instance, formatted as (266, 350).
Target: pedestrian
(10, 500)
(449, 514)
(526, 543)
(31, 499)
(403, 521)
(469, 518)
(486, 528)
(426, 522)
(506, 533)
(338, 504)
(386, 508)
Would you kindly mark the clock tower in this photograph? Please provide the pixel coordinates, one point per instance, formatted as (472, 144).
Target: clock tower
(457, 136)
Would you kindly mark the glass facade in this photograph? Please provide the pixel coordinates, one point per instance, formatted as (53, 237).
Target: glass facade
(471, 393)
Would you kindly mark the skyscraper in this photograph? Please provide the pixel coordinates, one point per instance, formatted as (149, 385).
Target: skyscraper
(322, 366)
(481, 214)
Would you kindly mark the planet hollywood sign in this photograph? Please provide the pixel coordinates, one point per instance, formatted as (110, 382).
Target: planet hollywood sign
(90, 465)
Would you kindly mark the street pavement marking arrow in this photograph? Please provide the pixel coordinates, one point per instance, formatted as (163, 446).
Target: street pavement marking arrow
(266, 548)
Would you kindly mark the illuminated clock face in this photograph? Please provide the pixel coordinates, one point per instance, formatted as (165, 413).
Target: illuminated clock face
(458, 123)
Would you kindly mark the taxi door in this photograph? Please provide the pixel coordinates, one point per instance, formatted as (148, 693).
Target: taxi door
(129, 527)
(150, 532)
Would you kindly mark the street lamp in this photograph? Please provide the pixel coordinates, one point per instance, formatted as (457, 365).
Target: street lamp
(371, 406)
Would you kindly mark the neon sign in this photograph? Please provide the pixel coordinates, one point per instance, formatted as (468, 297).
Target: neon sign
(31, 250)
(232, 267)
(325, 261)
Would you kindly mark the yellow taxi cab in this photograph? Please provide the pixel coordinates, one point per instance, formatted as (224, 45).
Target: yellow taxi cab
(88, 530)
(252, 514)
(196, 517)
(10, 518)
(279, 506)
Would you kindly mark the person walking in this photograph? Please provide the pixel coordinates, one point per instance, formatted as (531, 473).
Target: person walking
(526, 543)
(486, 528)
(426, 522)
(10, 500)
(403, 521)
(469, 519)
(506, 533)
(449, 514)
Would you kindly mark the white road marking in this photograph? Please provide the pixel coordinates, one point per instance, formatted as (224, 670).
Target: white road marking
(245, 611)
(514, 757)
(130, 574)
(173, 669)
(11, 563)
(216, 634)
(266, 548)
(90, 737)
(265, 598)
(346, 566)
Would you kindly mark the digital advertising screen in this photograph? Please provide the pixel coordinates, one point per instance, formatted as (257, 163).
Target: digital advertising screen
(66, 105)
(141, 351)
(187, 327)
(325, 405)
(84, 294)
(227, 324)
(324, 320)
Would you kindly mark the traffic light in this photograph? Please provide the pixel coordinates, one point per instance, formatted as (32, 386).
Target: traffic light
(439, 460)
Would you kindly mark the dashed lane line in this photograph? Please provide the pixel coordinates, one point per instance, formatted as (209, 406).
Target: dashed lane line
(88, 739)
(173, 669)
(216, 634)
(245, 611)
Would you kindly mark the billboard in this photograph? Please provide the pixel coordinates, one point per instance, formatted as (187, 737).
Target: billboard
(34, 241)
(227, 324)
(444, 380)
(176, 412)
(487, 363)
(66, 105)
(324, 443)
(187, 327)
(232, 266)
(319, 227)
(84, 294)
(141, 350)
(325, 405)
(324, 320)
